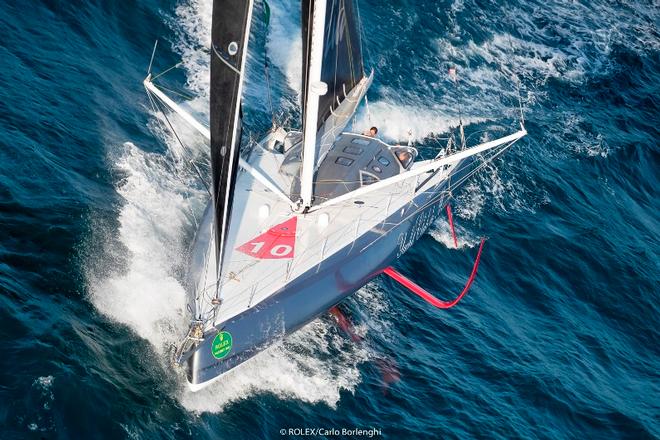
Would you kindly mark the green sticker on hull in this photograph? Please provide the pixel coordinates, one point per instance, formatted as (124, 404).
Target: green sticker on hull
(221, 345)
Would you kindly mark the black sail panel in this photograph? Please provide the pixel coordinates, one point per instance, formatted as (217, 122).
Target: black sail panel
(342, 66)
(342, 55)
(229, 37)
(306, 27)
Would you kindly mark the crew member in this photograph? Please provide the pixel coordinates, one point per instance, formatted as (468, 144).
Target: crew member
(373, 131)
(404, 157)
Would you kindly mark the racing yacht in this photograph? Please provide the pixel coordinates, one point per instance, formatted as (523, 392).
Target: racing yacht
(301, 219)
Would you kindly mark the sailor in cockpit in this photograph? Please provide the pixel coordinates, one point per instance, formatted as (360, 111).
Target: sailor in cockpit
(404, 157)
(373, 131)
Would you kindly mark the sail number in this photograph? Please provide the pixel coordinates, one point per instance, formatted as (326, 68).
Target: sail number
(279, 251)
(279, 242)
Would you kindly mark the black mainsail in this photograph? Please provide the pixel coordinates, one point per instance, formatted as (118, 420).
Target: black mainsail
(229, 39)
(342, 65)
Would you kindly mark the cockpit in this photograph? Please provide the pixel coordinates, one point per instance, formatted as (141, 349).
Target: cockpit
(352, 162)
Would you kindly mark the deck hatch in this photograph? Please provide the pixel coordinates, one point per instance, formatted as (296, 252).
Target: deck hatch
(356, 151)
(361, 141)
(345, 161)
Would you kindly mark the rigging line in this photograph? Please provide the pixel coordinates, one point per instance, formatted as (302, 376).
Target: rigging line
(270, 98)
(517, 81)
(334, 83)
(153, 54)
(153, 104)
(176, 172)
(181, 94)
(158, 109)
(448, 194)
(238, 72)
(361, 30)
(267, 72)
(187, 193)
(347, 30)
(199, 174)
(520, 105)
(366, 102)
(185, 148)
(249, 264)
(306, 58)
(478, 168)
(357, 6)
(485, 162)
(207, 259)
(166, 71)
(352, 62)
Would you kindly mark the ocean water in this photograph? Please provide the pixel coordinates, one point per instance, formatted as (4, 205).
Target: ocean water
(558, 337)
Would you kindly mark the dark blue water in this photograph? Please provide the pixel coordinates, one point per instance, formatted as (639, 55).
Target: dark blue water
(558, 337)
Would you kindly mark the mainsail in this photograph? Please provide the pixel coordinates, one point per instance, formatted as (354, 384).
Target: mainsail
(229, 39)
(342, 66)
(332, 68)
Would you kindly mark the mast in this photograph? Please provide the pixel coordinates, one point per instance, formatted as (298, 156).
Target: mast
(313, 89)
(332, 68)
(229, 40)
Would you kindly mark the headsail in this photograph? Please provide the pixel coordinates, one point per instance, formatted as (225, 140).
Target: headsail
(229, 40)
